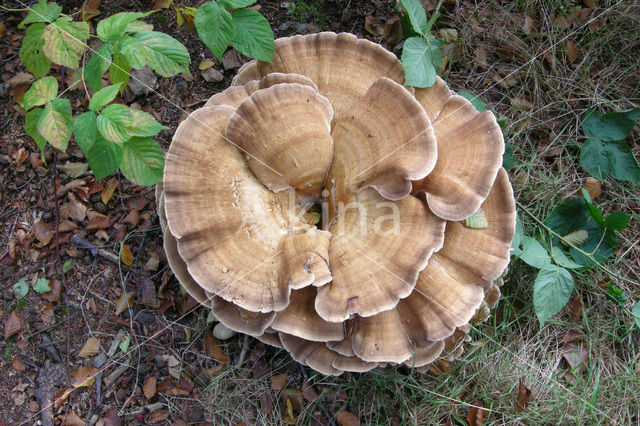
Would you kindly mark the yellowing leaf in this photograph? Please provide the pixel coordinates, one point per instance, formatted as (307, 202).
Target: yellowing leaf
(576, 238)
(477, 220)
(84, 376)
(65, 41)
(125, 255)
(593, 187)
(56, 123)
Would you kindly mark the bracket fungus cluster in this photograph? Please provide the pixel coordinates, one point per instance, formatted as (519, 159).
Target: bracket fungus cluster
(324, 208)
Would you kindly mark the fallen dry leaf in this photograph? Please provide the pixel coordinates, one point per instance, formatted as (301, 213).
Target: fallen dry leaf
(19, 79)
(278, 381)
(213, 350)
(84, 376)
(90, 347)
(126, 256)
(266, 403)
(528, 25)
(43, 232)
(12, 325)
(172, 387)
(477, 414)
(73, 170)
(18, 364)
(124, 302)
(346, 418)
(593, 187)
(108, 190)
(576, 356)
(571, 50)
(308, 392)
(523, 396)
(575, 308)
(111, 417)
(46, 314)
(72, 419)
(61, 397)
(158, 416)
(55, 294)
(293, 395)
(97, 221)
(149, 388)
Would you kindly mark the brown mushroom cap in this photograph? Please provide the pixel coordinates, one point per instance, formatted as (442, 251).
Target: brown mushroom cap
(247, 72)
(218, 211)
(374, 259)
(285, 132)
(383, 140)
(470, 148)
(343, 66)
(433, 98)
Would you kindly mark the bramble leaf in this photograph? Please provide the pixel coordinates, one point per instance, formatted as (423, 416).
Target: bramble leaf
(31, 53)
(420, 60)
(613, 126)
(417, 16)
(474, 99)
(55, 124)
(31, 127)
(142, 161)
(117, 123)
(65, 41)
(252, 35)
(613, 158)
(113, 27)
(167, 56)
(551, 291)
(41, 285)
(533, 253)
(85, 130)
(103, 97)
(39, 93)
(236, 4)
(97, 66)
(103, 157)
(617, 221)
(119, 70)
(214, 26)
(41, 12)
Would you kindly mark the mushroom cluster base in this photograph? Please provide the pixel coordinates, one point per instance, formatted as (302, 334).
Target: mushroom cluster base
(322, 207)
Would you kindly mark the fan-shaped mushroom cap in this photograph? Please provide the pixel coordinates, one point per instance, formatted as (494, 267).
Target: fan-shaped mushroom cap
(238, 319)
(343, 66)
(433, 98)
(233, 233)
(384, 140)
(300, 319)
(282, 151)
(470, 148)
(272, 339)
(377, 250)
(235, 95)
(247, 72)
(424, 355)
(381, 338)
(314, 354)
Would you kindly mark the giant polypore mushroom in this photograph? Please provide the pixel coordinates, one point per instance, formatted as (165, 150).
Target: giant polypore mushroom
(390, 272)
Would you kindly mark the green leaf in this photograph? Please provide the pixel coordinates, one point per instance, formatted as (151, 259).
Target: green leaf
(56, 123)
(31, 53)
(20, 288)
(41, 285)
(551, 291)
(40, 92)
(167, 56)
(534, 254)
(117, 123)
(418, 59)
(119, 70)
(65, 41)
(124, 343)
(113, 27)
(617, 221)
(568, 216)
(41, 12)
(613, 126)
(636, 313)
(31, 127)
(614, 158)
(252, 35)
(97, 66)
(103, 157)
(214, 26)
(85, 130)
(477, 220)
(236, 4)
(417, 16)
(68, 265)
(138, 27)
(508, 160)
(475, 100)
(103, 97)
(135, 52)
(616, 295)
(562, 259)
(142, 161)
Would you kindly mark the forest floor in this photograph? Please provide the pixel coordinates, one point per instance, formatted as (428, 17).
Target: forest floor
(537, 65)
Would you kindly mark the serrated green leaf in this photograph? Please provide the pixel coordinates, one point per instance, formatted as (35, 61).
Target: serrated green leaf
(40, 92)
(31, 53)
(103, 97)
(419, 60)
(113, 27)
(417, 16)
(534, 254)
(214, 26)
(617, 221)
(577, 238)
(613, 126)
(236, 4)
(614, 159)
(551, 291)
(142, 161)
(508, 160)
(103, 157)
(616, 295)
(562, 259)
(474, 99)
(20, 288)
(119, 70)
(477, 220)
(252, 35)
(117, 123)
(65, 41)
(56, 123)
(167, 56)
(41, 12)
(138, 27)
(136, 53)
(636, 313)
(41, 285)
(31, 127)
(97, 66)
(124, 343)
(85, 130)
